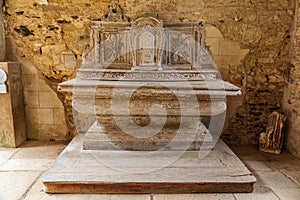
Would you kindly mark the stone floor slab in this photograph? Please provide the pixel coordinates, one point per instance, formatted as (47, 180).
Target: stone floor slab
(14, 184)
(284, 156)
(6, 153)
(193, 197)
(275, 179)
(287, 193)
(39, 152)
(100, 196)
(26, 164)
(129, 197)
(286, 164)
(248, 153)
(37, 192)
(294, 175)
(257, 166)
(258, 194)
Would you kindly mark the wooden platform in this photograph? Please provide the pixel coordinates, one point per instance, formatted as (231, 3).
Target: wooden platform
(86, 171)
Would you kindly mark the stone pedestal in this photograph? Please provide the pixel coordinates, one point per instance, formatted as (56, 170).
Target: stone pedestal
(12, 126)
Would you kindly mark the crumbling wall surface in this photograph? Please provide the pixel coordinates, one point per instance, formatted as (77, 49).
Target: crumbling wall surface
(291, 101)
(53, 34)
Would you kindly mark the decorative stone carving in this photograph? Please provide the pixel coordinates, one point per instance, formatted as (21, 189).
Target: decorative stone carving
(272, 140)
(150, 75)
(3, 78)
(166, 45)
(147, 43)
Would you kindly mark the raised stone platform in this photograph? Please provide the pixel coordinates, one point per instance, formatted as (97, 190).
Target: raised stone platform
(82, 171)
(96, 139)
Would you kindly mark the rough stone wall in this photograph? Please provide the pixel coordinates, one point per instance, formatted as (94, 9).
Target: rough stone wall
(53, 34)
(44, 112)
(291, 103)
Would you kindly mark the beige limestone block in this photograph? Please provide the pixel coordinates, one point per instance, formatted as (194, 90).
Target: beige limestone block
(41, 150)
(53, 132)
(32, 83)
(214, 45)
(40, 116)
(229, 48)
(31, 99)
(59, 116)
(228, 61)
(276, 180)
(14, 184)
(37, 192)
(6, 153)
(193, 196)
(212, 32)
(130, 197)
(27, 66)
(26, 164)
(261, 195)
(287, 193)
(49, 100)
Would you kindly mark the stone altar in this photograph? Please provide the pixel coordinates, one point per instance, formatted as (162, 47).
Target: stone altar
(155, 58)
(148, 85)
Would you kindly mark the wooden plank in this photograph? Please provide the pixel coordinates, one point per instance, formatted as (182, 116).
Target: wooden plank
(147, 188)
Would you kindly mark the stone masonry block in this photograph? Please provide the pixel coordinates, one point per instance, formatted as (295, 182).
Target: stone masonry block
(213, 32)
(40, 116)
(214, 45)
(229, 48)
(49, 100)
(32, 83)
(27, 66)
(31, 99)
(228, 60)
(50, 132)
(59, 116)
